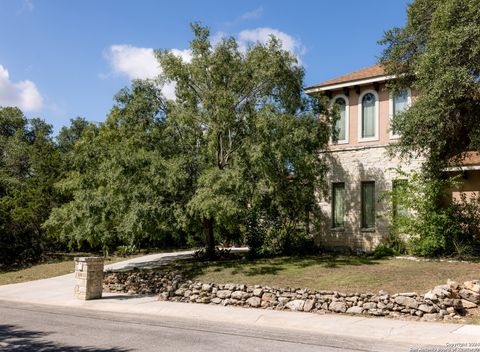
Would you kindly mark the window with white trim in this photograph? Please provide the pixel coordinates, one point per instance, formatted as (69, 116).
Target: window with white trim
(398, 103)
(368, 106)
(338, 205)
(368, 204)
(341, 125)
(368, 115)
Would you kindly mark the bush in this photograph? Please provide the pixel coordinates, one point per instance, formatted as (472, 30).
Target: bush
(382, 251)
(434, 225)
(282, 242)
(124, 251)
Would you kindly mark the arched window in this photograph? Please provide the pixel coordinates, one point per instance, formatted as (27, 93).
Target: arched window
(398, 103)
(368, 116)
(341, 125)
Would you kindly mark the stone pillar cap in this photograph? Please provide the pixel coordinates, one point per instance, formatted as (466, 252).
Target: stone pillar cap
(89, 259)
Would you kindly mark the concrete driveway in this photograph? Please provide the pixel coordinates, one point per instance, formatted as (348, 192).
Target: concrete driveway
(157, 260)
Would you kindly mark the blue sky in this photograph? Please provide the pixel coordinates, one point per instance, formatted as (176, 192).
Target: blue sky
(61, 59)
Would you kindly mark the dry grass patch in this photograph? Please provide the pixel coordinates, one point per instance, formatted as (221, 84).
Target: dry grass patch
(345, 274)
(51, 268)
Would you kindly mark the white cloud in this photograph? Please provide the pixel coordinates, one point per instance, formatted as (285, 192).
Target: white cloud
(262, 35)
(186, 54)
(247, 16)
(136, 63)
(27, 6)
(251, 15)
(216, 38)
(23, 94)
(140, 63)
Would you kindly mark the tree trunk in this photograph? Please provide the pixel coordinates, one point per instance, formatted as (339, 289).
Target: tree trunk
(209, 238)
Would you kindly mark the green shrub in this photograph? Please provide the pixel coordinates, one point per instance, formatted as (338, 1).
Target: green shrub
(124, 251)
(382, 251)
(283, 242)
(433, 224)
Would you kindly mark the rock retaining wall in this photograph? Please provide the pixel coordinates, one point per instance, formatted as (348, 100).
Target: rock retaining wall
(451, 301)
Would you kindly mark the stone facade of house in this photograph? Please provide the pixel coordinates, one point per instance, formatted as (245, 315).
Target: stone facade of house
(355, 212)
(352, 166)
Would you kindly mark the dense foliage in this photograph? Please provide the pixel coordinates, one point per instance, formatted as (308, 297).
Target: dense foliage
(233, 158)
(119, 178)
(437, 54)
(427, 222)
(30, 164)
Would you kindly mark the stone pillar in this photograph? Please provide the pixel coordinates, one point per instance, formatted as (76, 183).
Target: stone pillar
(88, 277)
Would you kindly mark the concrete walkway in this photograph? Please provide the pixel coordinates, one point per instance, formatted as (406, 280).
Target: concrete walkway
(58, 291)
(157, 260)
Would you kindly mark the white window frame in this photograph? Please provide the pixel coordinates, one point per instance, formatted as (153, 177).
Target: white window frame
(390, 112)
(347, 119)
(377, 119)
(332, 205)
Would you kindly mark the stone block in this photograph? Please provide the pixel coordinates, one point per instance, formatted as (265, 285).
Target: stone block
(473, 285)
(339, 307)
(254, 301)
(406, 301)
(471, 296)
(355, 310)
(296, 304)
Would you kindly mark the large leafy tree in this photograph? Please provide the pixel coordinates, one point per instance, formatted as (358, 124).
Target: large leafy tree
(118, 177)
(250, 136)
(235, 151)
(30, 164)
(69, 135)
(437, 54)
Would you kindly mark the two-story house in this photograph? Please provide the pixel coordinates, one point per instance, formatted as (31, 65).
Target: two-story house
(354, 214)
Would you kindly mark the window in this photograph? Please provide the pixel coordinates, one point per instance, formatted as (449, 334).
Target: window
(398, 103)
(338, 205)
(368, 116)
(368, 205)
(341, 125)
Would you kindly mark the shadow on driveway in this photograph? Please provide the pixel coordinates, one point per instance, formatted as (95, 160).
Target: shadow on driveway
(16, 339)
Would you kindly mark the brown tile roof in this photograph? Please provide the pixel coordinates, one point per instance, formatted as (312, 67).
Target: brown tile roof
(364, 73)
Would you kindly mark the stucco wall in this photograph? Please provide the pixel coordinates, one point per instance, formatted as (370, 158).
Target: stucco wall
(469, 185)
(352, 165)
(353, 111)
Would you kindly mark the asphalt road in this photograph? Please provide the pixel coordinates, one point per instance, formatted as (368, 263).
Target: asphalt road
(44, 328)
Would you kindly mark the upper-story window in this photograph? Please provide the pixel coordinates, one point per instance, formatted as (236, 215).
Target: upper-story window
(398, 103)
(341, 125)
(368, 116)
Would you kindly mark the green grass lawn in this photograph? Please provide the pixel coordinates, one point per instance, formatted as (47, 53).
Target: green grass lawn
(53, 267)
(345, 274)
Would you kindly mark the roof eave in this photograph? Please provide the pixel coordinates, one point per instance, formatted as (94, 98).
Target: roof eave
(462, 168)
(316, 89)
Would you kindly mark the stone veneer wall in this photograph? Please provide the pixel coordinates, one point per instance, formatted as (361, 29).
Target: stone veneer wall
(445, 302)
(88, 277)
(353, 165)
